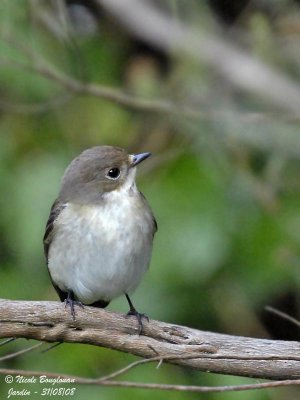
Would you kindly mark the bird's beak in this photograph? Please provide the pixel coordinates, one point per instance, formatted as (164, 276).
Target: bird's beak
(138, 158)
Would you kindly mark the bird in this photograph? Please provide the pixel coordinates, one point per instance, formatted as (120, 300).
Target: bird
(99, 235)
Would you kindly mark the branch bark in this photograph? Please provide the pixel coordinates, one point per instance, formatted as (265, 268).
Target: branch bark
(200, 350)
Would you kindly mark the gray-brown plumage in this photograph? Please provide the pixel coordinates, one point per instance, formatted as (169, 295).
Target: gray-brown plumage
(99, 234)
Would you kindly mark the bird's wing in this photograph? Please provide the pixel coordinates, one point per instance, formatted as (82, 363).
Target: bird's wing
(155, 227)
(56, 209)
(153, 218)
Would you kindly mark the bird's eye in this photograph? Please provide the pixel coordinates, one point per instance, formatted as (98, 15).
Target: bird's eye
(113, 173)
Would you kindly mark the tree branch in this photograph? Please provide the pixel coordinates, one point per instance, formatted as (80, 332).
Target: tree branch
(240, 68)
(204, 351)
(120, 97)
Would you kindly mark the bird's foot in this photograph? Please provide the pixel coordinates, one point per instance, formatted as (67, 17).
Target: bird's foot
(71, 302)
(139, 316)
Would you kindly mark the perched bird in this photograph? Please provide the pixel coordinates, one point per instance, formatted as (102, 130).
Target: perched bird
(99, 234)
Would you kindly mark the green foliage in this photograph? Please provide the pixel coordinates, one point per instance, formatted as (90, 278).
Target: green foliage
(224, 187)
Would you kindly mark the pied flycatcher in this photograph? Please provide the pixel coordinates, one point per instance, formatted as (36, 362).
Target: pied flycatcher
(99, 234)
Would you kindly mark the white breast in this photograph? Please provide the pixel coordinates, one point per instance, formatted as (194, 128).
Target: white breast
(101, 252)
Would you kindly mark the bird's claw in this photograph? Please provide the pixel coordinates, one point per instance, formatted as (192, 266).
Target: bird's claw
(139, 317)
(71, 303)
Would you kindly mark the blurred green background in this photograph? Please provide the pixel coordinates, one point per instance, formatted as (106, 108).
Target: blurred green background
(224, 185)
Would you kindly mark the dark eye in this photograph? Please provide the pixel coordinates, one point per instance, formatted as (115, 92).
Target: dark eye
(113, 173)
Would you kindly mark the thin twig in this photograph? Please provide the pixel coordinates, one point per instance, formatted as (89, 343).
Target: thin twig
(51, 347)
(21, 352)
(282, 315)
(137, 363)
(7, 341)
(47, 70)
(162, 106)
(154, 386)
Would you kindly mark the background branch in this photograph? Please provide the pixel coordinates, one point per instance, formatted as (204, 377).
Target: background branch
(205, 351)
(241, 69)
(156, 386)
